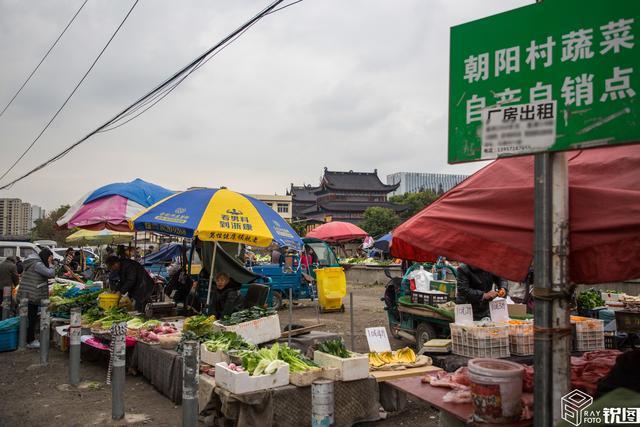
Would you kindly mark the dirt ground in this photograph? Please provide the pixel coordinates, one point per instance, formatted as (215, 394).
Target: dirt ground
(37, 396)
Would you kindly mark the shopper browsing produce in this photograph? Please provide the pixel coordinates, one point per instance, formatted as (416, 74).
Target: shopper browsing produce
(38, 268)
(134, 280)
(475, 287)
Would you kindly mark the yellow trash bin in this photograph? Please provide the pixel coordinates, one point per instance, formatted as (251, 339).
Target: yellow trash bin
(107, 300)
(332, 287)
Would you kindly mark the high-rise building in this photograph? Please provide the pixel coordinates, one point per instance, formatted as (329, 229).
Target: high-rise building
(36, 213)
(15, 217)
(413, 182)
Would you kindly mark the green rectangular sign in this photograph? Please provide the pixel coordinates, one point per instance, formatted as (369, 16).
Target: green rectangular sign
(576, 62)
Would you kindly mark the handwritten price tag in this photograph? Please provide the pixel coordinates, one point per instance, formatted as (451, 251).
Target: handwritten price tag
(464, 314)
(377, 339)
(499, 311)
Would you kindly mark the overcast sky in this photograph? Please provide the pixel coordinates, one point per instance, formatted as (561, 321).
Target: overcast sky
(347, 84)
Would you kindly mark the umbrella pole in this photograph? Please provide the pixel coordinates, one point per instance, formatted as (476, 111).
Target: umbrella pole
(213, 260)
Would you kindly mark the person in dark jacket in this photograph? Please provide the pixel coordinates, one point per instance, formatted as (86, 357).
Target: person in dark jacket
(225, 297)
(475, 287)
(134, 280)
(34, 286)
(9, 277)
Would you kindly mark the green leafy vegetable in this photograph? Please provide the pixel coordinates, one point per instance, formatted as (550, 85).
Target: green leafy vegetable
(247, 315)
(590, 299)
(335, 347)
(225, 341)
(297, 362)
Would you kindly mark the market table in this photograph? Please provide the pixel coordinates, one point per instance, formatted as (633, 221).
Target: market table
(355, 401)
(451, 362)
(162, 368)
(391, 398)
(451, 413)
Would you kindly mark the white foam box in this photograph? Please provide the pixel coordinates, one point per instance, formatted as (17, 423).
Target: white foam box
(212, 357)
(242, 382)
(350, 369)
(256, 331)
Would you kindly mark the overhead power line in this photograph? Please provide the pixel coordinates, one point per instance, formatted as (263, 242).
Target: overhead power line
(160, 91)
(75, 89)
(73, 18)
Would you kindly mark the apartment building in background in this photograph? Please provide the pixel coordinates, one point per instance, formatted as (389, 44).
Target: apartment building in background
(281, 204)
(15, 217)
(413, 182)
(36, 213)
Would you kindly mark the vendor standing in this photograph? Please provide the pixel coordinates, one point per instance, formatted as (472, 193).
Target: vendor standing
(476, 287)
(38, 269)
(225, 296)
(9, 276)
(134, 280)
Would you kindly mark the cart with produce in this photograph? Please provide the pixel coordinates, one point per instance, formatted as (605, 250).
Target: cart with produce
(417, 322)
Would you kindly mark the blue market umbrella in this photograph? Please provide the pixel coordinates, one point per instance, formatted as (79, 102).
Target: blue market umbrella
(383, 243)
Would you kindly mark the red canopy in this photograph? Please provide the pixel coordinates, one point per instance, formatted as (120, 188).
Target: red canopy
(337, 231)
(487, 220)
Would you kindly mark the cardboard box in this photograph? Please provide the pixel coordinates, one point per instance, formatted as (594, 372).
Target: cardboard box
(350, 369)
(256, 331)
(517, 310)
(303, 379)
(242, 382)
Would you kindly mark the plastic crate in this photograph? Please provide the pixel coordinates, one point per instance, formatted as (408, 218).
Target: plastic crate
(615, 342)
(589, 335)
(448, 287)
(429, 298)
(9, 339)
(521, 341)
(476, 341)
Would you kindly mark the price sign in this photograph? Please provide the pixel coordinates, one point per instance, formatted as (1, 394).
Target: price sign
(377, 339)
(464, 314)
(74, 336)
(499, 310)
(119, 351)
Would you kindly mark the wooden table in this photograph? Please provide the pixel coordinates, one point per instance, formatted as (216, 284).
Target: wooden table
(460, 413)
(382, 376)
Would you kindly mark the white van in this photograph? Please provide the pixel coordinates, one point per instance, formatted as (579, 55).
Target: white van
(21, 249)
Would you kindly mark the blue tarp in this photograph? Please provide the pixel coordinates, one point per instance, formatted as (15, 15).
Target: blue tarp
(383, 243)
(166, 254)
(142, 192)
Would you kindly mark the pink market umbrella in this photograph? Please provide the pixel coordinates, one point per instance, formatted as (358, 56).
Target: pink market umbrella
(110, 207)
(337, 231)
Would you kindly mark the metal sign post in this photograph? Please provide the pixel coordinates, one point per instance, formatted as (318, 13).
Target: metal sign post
(75, 331)
(45, 330)
(554, 76)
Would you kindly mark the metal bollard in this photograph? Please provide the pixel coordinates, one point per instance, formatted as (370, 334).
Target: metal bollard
(353, 337)
(24, 311)
(118, 359)
(290, 316)
(45, 329)
(322, 403)
(190, 379)
(6, 302)
(75, 330)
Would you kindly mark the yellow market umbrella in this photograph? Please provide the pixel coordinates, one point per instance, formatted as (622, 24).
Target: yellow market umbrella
(102, 237)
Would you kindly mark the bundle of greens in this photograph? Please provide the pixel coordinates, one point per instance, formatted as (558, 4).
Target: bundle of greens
(225, 341)
(247, 315)
(334, 347)
(84, 300)
(297, 362)
(192, 336)
(263, 362)
(91, 315)
(590, 299)
(113, 315)
(200, 325)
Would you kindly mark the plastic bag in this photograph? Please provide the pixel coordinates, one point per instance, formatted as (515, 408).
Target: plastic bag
(422, 279)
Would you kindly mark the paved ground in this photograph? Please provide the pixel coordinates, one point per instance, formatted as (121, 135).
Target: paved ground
(36, 396)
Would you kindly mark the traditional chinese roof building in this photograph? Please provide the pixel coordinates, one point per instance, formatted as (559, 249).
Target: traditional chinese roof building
(342, 196)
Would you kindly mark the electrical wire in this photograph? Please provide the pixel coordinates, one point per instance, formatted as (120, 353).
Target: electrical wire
(75, 89)
(159, 92)
(73, 18)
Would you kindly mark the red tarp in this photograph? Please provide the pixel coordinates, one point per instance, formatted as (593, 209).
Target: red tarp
(487, 220)
(337, 231)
